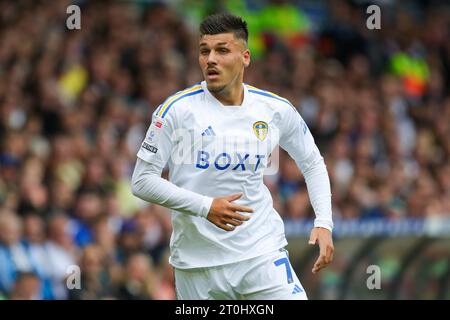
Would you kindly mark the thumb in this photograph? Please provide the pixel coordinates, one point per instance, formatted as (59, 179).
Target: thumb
(313, 238)
(234, 197)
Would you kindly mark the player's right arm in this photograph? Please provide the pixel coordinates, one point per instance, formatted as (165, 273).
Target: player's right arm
(147, 183)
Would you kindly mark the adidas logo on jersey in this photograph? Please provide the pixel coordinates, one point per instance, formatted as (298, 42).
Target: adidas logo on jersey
(209, 132)
(297, 289)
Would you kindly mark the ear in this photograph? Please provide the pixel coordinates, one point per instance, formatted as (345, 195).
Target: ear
(246, 58)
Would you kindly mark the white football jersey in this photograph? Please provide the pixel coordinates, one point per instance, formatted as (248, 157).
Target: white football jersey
(218, 150)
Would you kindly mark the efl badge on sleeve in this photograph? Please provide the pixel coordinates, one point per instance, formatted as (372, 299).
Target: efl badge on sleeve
(260, 128)
(158, 122)
(154, 130)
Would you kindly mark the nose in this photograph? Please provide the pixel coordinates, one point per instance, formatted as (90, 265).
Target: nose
(211, 58)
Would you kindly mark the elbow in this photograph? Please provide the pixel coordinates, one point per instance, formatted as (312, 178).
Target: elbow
(144, 182)
(135, 188)
(142, 185)
(137, 181)
(313, 165)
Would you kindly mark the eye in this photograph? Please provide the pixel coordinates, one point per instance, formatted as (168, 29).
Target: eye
(222, 50)
(204, 52)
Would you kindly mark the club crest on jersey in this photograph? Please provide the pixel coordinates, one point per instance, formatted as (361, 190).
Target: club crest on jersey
(260, 128)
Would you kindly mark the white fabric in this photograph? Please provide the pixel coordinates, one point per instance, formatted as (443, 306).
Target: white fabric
(261, 278)
(199, 171)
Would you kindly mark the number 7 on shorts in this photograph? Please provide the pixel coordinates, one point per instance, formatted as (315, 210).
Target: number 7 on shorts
(287, 265)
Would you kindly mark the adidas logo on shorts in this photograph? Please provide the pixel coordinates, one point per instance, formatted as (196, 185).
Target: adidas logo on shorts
(297, 289)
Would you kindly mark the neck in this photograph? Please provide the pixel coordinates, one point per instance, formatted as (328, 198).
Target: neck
(232, 95)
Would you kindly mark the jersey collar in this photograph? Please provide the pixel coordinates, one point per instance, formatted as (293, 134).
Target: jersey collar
(214, 100)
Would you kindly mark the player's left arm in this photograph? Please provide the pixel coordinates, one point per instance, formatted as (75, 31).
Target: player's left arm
(297, 140)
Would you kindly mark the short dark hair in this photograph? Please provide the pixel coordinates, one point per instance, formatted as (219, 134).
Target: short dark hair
(223, 23)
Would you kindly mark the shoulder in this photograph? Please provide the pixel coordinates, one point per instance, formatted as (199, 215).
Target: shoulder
(269, 97)
(177, 100)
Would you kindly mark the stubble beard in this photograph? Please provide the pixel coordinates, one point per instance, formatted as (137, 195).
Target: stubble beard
(215, 89)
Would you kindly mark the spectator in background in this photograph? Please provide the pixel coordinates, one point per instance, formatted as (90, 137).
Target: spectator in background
(152, 232)
(140, 281)
(14, 257)
(61, 251)
(96, 279)
(88, 208)
(34, 242)
(26, 287)
(166, 284)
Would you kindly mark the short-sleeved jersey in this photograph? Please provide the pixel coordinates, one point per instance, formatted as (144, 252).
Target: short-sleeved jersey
(218, 150)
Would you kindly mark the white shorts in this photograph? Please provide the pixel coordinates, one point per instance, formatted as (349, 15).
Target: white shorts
(267, 277)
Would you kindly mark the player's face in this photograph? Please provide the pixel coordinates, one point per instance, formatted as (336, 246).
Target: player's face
(222, 58)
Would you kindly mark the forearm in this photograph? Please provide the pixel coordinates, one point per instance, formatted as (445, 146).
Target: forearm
(319, 190)
(148, 185)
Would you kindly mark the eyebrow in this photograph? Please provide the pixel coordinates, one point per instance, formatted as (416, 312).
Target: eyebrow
(218, 44)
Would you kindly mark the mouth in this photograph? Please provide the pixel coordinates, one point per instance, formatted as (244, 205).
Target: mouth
(212, 74)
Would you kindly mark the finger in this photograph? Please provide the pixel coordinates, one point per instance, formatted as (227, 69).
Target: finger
(326, 254)
(317, 268)
(323, 250)
(237, 216)
(234, 197)
(313, 238)
(330, 251)
(226, 227)
(319, 264)
(233, 222)
(236, 207)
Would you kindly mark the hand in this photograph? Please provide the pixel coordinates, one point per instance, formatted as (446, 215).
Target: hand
(223, 213)
(323, 236)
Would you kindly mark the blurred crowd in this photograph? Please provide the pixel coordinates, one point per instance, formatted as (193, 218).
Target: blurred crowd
(75, 105)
